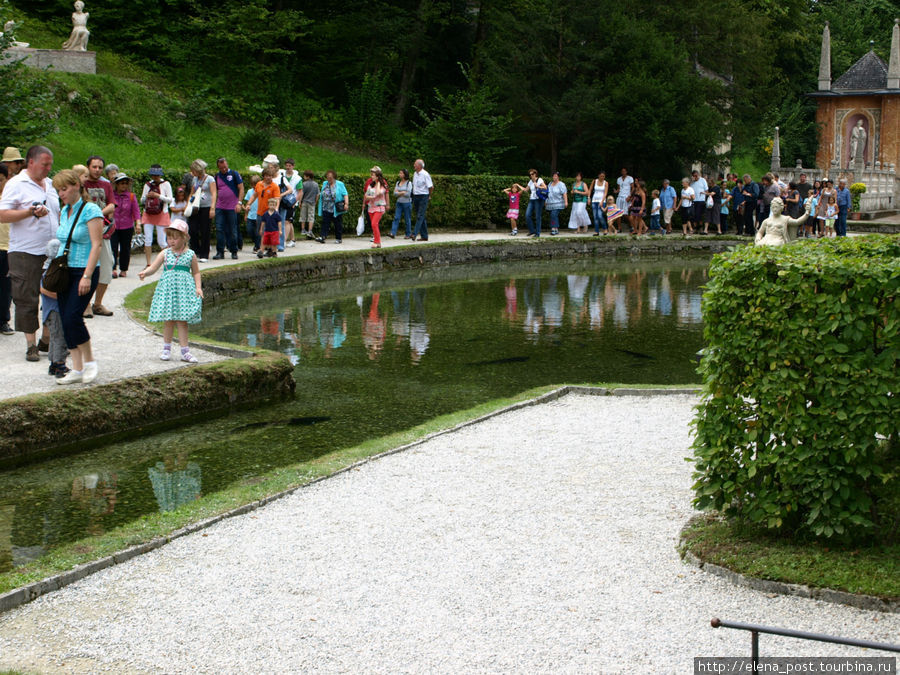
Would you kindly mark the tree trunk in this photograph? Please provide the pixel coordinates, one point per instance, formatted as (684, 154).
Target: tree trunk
(411, 63)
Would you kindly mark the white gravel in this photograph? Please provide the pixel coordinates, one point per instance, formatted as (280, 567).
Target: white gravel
(542, 540)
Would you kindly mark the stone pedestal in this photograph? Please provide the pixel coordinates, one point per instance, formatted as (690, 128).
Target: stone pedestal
(58, 59)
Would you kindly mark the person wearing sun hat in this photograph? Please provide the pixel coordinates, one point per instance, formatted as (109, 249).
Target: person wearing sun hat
(13, 160)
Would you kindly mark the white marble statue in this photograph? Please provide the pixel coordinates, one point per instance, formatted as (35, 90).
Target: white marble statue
(8, 28)
(78, 40)
(777, 228)
(858, 143)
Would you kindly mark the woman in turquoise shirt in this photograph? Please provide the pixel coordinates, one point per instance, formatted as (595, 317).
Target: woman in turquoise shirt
(333, 204)
(85, 222)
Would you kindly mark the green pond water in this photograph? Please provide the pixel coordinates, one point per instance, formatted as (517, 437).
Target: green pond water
(374, 356)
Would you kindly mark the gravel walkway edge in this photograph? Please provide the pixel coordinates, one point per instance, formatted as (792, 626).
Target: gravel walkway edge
(30, 592)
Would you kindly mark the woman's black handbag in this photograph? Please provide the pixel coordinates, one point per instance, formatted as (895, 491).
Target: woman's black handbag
(56, 278)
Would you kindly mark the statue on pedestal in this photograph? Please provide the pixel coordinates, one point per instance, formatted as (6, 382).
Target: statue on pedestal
(858, 144)
(8, 29)
(78, 40)
(777, 228)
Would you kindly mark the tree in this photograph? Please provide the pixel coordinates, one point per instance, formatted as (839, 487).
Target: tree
(465, 134)
(27, 108)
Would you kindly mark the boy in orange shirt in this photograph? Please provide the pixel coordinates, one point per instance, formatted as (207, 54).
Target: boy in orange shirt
(266, 189)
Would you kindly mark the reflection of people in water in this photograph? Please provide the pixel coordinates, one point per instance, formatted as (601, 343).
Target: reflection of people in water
(96, 494)
(374, 328)
(511, 312)
(331, 327)
(7, 512)
(175, 481)
(418, 329)
(578, 285)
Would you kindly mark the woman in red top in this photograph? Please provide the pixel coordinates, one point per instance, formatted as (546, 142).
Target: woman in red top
(127, 216)
(376, 200)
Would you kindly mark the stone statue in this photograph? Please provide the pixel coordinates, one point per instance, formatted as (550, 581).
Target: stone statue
(858, 143)
(78, 40)
(8, 28)
(777, 228)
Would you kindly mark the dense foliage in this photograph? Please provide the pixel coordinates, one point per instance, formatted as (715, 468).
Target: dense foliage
(27, 111)
(798, 426)
(652, 86)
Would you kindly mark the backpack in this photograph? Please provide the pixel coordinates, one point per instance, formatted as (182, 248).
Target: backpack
(152, 205)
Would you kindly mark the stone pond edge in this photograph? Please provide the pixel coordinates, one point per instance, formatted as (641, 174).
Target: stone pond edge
(857, 600)
(25, 594)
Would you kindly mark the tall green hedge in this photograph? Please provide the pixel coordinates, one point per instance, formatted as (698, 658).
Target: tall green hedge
(797, 428)
(458, 202)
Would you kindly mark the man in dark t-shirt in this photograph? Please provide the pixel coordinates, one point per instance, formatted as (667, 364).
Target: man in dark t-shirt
(803, 187)
(101, 193)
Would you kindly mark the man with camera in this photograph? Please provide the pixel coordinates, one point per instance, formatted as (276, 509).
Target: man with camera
(31, 206)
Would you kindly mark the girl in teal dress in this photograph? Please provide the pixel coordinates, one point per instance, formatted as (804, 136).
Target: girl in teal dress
(178, 299)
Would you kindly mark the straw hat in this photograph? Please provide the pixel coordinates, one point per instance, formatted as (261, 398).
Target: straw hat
(12, 154)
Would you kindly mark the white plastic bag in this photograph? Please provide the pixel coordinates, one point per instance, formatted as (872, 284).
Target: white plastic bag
(360, 226)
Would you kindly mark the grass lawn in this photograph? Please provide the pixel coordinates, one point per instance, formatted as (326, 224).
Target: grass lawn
(872, 570)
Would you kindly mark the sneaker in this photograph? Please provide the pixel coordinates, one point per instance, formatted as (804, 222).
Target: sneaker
(234, 256)
(100, 310)
(43, 346)
(165, 355)
(6, 329)
(72, 377)
(309, 235)
(31, 354)
(219, 256)
(90, 372)
(187, 357)
(203, 260)
(338, 241)
(513, 233)
(320, 240)
(260, 254)
(392, 236)
(291, 244)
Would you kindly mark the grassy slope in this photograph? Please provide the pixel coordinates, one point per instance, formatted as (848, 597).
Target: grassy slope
(123, 93)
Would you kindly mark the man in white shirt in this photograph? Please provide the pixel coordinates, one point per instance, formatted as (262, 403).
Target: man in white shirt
(624, 192)
(31, 206)
(421, 195)
(700, 188)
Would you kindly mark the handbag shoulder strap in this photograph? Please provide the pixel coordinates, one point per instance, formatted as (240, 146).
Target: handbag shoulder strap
(72, 228)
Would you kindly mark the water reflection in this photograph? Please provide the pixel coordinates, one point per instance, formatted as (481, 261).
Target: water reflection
(175, 481)
(592, 301)
(421, 350)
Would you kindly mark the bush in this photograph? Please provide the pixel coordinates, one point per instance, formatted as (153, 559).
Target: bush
(856, 190)
(797, 428)
(256, 142)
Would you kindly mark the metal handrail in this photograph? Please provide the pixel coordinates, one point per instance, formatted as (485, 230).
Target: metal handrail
(756, 629)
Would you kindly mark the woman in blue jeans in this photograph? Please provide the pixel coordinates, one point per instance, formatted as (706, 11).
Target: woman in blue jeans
(535, 203)
(403, 203)
(85, 223)
(599, 193)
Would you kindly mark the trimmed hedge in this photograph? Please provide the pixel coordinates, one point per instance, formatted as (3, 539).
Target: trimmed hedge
(797, 428)
(458, 202)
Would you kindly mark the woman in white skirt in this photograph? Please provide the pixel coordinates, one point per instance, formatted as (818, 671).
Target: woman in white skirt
(579, 218)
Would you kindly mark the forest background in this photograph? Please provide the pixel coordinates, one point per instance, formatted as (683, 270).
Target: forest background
(484, 86)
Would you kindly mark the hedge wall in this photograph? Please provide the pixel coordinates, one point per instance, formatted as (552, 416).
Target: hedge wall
(459, 202)
(797, 428)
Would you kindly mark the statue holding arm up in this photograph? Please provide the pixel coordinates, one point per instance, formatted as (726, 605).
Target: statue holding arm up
(78, 40)
(776, 229)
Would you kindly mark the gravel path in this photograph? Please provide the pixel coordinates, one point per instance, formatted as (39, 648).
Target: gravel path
(541, 540)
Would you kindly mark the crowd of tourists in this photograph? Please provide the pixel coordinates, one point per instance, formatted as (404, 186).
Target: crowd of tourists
(93, 217)
(82, 226)
(701, 203)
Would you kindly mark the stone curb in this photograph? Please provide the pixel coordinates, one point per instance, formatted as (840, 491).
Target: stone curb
(860, 601)
(26, 594)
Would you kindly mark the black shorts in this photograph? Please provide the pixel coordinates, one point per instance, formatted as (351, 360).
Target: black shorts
(699, 211)
(687, 214)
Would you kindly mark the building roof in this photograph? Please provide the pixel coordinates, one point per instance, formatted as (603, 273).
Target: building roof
(869, 73)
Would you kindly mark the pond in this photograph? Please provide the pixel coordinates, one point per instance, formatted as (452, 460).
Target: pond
(374, 356)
